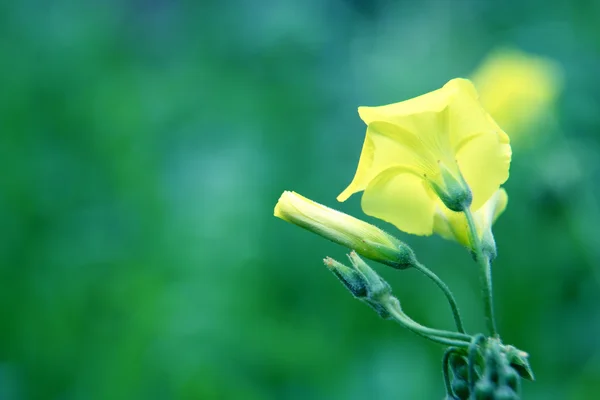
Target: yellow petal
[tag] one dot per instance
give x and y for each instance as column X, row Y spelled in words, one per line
column 501, row 202
column 453, row 225
column 386, row 146
column 361, row 176
column 443, row 120
column 434, row 101
column 467, row 118
column 484, row 162
column 431, row 102
column 400, row 198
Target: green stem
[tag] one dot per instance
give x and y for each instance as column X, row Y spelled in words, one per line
column 445, row 364
column 485, row 274
column 446, row 290
column 436, row 335
column 486, row 278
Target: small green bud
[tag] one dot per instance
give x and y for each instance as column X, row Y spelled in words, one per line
column 493, row 360
column 351, row 279
column 364, row 284
column 519, row 360
column 511, row 377
column 379, row 293
column 505, row 393
column 454, row 192
column 366, row 239
column 376, row 287
column 484, row 390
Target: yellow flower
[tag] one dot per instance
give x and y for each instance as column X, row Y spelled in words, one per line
column 517, row 88
column 453, row 225
column 364, row 238
column 429, row 150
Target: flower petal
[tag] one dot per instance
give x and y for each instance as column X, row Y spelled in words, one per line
column 385, row 146
column 429, row 102
column 444, row 120
column 400, row 197
column 466, row 117
column 501, row 202
column 484, row 162
column 451, row 225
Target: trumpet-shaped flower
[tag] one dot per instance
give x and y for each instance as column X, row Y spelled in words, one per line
column 439, row 149
column 454, row 226
column 516, row 88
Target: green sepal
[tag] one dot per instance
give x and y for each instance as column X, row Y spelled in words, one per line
column 456, row 193
column 364, row 284
column 379, row 308
column 350, row 278
column 520, row 362
column 376, row 287
column 399, row 257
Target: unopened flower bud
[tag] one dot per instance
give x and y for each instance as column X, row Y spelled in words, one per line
column 511, row 377
column 376, row 286
column 364, row 283
column 484, row 389
column 350, row 278
column 519, row 360
column 505, row 393
column 366, row 239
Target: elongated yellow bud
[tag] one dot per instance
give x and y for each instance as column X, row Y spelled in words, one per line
column 366, row 239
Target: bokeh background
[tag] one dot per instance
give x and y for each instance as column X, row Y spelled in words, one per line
column 143, row 145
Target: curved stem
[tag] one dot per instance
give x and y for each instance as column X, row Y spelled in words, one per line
column 446, row 290
column 429, row 331
column 445, row 362
column 485, row 274
column 436, row 335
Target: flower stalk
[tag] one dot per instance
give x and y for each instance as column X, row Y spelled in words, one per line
column 485, row 273
column 446, row 290
column 436, row 335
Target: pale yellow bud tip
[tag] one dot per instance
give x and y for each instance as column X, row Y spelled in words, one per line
column 329, row 262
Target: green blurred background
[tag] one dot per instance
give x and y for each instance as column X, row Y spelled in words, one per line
column 143, row 145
